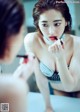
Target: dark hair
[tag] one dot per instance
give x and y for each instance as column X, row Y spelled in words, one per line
column 43, row 5
column 11, row 20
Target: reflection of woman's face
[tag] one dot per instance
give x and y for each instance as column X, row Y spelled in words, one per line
column 13, row 46
column 52, row 24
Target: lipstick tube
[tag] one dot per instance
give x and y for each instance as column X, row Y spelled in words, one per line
column 22, row 56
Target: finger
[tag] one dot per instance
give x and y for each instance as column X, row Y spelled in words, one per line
column 58, row 47
column 55, row 48
column 21, row 60
column 30, row 57
column 52, row 48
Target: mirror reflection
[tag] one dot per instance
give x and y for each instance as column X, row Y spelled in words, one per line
column 49, row 58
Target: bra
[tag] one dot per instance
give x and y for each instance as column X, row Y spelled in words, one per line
column 50, row 74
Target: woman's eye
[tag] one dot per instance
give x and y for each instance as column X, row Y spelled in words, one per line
column 44, row 25
column 57, row 24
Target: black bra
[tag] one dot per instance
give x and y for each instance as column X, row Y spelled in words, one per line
column 50, row 74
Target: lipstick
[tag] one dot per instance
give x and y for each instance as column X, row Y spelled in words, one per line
column 25, row 60
column 54, row 38
column 22, row 56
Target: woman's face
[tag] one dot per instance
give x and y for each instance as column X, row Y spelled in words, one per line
column 52, row 25
column 13, row 46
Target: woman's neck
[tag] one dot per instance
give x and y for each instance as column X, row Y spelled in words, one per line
column 68, row 41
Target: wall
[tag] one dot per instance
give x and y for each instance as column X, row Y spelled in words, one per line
column 28, row 7
column 77, row 16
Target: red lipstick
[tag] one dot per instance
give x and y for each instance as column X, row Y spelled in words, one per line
column 26, row 59
column 53, row 38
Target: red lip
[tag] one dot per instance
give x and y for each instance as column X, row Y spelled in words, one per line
column 53, row 38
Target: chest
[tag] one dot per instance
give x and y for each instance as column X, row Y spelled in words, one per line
column 50, row 61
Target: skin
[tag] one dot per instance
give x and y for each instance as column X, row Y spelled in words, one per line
column 13, row 87
column 52, row 23
column 13, row 91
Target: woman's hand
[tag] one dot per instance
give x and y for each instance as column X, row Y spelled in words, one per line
column 57, row 49
column 49, row 109
column 26, row 67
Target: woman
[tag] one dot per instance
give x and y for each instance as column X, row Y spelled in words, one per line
column 13, row 90
column 57, row 51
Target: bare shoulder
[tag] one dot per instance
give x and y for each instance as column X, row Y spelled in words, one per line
column 76, row 45
column 30, row 41
column 11, row 83
column 30, row 38
column 76, row 40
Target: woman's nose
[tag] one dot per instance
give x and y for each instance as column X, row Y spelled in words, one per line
column 51, row 30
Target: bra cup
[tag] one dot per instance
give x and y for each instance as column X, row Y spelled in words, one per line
column 45, row 70
column 50, row 74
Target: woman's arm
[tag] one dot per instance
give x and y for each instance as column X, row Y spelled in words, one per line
column 67, row 78
column 25, row 70
column 42, row 83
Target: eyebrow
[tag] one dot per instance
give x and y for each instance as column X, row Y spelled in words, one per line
column 57, row 20
column 53, row 21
